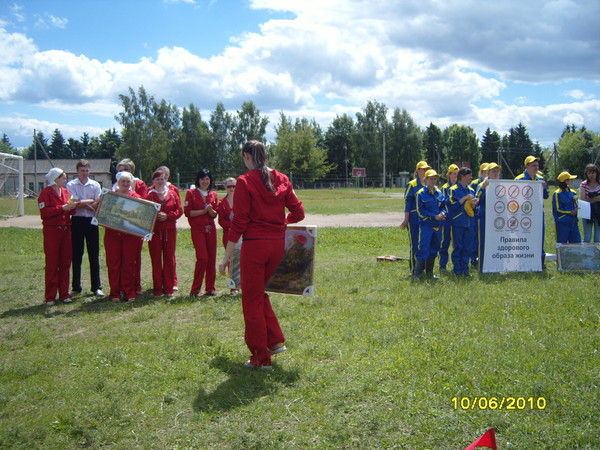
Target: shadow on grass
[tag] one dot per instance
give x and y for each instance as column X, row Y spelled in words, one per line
column 102, row 305
column 493, row 278
column 243, row 386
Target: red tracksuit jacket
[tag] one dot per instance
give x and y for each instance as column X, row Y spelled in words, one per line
column 260, row 214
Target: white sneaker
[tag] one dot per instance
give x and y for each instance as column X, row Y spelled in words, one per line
column 98, row 293
column 249, row 364
column 278, row 350
column 67, row 300
column 49, row 303
column 175, row 288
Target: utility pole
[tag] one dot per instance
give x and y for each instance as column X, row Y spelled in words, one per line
column 384, row 174
column 346, row 161
column 555, row 161
column 35, row 182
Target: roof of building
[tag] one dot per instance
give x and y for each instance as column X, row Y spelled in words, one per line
column 68, row 165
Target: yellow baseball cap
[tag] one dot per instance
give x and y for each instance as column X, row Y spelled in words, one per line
column 531, row 159
column 431, row 173
column 453, row 168
column 423, row 165
column 564, row 176
column 484, row 166
column 493, row 165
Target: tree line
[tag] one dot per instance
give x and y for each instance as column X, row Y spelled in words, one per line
column 156, row 132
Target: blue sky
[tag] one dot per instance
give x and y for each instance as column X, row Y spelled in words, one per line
column 481, row 64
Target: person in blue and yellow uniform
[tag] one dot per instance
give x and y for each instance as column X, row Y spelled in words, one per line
column 432, row 213
column 461, row 209
column 564, row 210
column 411, row 218
column 532, row 172
column 446, row 224
column 483, row 173
column 493, row 173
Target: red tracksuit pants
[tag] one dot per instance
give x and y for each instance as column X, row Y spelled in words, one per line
column 138, row 270
column 57, row 249
column 258, row 260
column 162, row 253
column 122, row 251
column 204, row 239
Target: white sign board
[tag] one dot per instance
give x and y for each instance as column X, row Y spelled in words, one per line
column 514, row 217
column 584, row 210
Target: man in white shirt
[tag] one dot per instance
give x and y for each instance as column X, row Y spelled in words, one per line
column 86, row 191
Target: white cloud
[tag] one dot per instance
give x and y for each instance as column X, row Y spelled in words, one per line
column 573, row 118
column 22, row 129
column 48, row 20
column 543, row 122
column 576, row 94
column 434, row 59
column 16, row 12
column 57, row 74
column 58, row 22
column 522, row 100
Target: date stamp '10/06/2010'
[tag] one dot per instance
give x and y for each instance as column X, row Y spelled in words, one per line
column 499, row 403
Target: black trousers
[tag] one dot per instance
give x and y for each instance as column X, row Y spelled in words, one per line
column 83, row 231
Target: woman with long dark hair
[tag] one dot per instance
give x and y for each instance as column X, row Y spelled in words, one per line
column 262, row 195
column 590, row 192
column 201, row 204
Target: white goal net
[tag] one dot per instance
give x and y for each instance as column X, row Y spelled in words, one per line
column 11, row 179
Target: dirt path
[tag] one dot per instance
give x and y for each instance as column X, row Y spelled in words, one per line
column 320, row 220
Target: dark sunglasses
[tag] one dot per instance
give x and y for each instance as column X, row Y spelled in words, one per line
column 230, row 187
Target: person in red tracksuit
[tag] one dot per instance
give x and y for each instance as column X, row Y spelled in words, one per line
column 262, row 195
column 139, row 187
column 226, row 208
column 225, row 218
column 201, row 204
column 175, row 189
column 122, row 251
column 164, row 240
column 56, row 210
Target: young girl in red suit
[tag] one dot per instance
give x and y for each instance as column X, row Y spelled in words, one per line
column 164, row 241
column 226, row 208
column 201, row 204
column 56, row 212
column 122, row 251
column 261, row 197
column 225, row 218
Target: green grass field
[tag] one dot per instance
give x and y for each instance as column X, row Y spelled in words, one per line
column 375, row 360
column 321, row 201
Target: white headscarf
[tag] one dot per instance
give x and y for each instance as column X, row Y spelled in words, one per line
column 52, row 175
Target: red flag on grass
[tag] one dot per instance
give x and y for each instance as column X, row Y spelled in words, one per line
column 487, row 440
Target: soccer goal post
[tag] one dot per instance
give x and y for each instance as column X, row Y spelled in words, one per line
column 7, row 168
